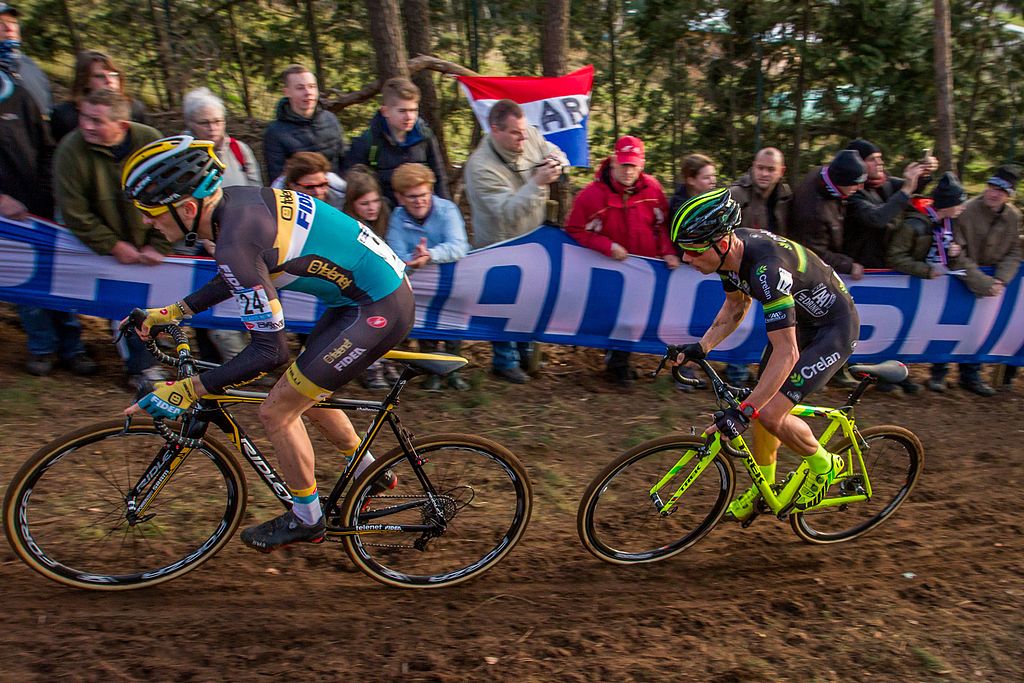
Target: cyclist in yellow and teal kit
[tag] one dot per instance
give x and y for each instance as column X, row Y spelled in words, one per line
column 265, row 241
column 812, row 327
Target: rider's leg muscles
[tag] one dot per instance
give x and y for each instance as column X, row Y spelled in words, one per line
column 337, row 428
column 281, row 415
column 787, row 428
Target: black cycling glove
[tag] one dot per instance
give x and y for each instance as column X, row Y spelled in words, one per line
column 731, row 422
column 691, row 352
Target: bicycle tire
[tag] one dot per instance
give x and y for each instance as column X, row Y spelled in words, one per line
column 64, row 509
column 894, row 460
column 487, row 500
column 617, row 520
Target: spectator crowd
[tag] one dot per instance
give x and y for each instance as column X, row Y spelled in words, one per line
column 63, row 162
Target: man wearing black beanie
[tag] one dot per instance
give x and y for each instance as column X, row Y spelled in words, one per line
column 873, row 212
column 818, row 209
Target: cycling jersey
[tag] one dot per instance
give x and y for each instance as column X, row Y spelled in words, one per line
column 797, row 289
column 269, row 240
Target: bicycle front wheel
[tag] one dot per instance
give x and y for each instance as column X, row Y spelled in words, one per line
column 66, row 510
column 893, row 461
column 479, row 506
column 620, row 523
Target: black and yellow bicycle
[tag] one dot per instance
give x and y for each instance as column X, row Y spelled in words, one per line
column 121, row 504
column 663, row 496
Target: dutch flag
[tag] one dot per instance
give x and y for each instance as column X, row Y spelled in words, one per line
column 558, row 107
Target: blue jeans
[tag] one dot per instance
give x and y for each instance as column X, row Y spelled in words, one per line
column 49, row 332
column 510, row 354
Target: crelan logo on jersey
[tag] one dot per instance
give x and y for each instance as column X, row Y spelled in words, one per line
column 762, row 269
column 328, row 272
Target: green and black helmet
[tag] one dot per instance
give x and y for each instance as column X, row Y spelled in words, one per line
column 705, row 218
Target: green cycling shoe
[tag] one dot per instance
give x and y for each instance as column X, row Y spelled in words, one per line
column 742, row 508
column 815, row 485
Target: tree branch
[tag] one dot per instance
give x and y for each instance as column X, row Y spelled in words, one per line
column 336, row 100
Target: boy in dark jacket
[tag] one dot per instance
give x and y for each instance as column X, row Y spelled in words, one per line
column 398, row 135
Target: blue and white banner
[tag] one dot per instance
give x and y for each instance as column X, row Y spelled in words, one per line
column 558, row 107
column 541, row 286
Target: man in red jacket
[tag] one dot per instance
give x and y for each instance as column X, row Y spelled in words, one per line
column 623, row 211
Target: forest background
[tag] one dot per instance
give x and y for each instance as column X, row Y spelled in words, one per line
column 718, row 77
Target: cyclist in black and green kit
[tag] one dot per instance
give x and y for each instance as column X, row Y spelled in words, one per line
column 265, row 241
column 812, row 327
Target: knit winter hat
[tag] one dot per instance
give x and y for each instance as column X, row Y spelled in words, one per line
column 948, row 192
column 863, row 148
column 1005, row 178
column 847, row 168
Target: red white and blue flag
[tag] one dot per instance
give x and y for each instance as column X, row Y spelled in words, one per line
column 558, row 107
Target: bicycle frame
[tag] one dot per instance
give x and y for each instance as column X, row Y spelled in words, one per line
column 212, row 411
column 778, row 499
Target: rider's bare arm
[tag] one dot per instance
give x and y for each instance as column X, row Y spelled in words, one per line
column 728, row 319
column 785, row 353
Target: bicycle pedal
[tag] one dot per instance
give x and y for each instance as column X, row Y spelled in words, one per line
column 749, row 520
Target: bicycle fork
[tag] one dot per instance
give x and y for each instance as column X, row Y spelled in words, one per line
column 705, row 454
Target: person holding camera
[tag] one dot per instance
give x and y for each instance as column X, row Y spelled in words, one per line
column 507, row 178
column 874, row 212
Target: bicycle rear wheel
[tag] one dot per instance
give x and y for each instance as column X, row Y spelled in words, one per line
column 619, row 523
column 894, row 459
column 65, row 512
column 481, row 509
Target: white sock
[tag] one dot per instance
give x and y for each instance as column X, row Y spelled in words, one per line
column 365, row 462
column 306, row 505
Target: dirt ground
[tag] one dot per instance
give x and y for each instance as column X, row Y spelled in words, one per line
column 936, row 593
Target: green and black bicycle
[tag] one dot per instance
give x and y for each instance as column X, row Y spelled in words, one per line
column 663, row 496
column 122, row 504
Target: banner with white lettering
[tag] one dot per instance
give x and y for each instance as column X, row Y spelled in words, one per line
column 541, row 286
column 558, row 107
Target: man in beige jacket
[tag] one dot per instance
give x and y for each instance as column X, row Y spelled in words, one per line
column 507, row 178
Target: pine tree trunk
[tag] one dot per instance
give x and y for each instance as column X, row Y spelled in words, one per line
column 943, row 86
column 416, row 18
column 163, row 51
column 314, row 43
column 613, row 9
column 69, row 20
column 242, row 64
column 554, row 39
column 795, row 168
column 386, row 34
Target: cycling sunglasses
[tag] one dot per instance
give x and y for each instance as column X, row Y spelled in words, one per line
column 152, row 211
column 696, row 250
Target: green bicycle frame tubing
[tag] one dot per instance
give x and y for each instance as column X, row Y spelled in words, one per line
column 701, row 465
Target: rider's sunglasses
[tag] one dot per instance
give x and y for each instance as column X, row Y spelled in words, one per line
column 152, row 211
column 696, row 250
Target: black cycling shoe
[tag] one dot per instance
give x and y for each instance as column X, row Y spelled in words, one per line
column 281, row 531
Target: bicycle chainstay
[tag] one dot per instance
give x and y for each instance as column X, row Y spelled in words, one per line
column 425, row 536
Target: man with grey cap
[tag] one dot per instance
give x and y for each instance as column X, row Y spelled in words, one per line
column 989, row 231
column 32, row 77
column 819, row 205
